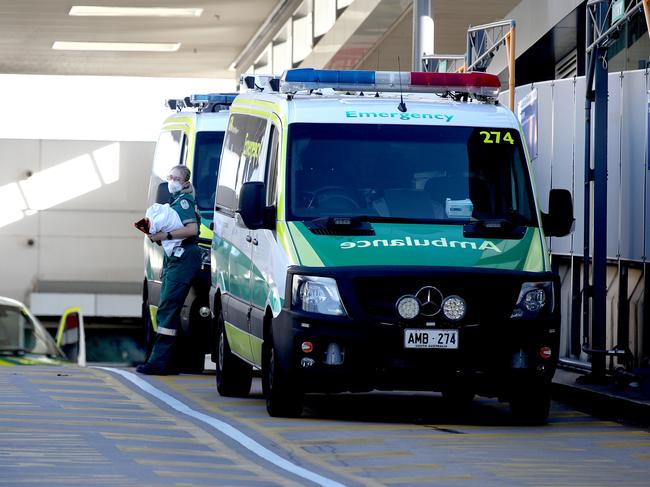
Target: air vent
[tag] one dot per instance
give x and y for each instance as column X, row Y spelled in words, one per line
column 567, row 67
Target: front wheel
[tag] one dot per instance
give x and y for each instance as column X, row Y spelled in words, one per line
column 234, row 376
column 530, row 402
column 282, row 398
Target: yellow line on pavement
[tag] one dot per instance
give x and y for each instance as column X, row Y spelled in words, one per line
column 180, row 463
column 184, row 452
column 148, row 438
column 427, row 480
column 396, row 468
column 366, row 454
column 623, row 444
column 209, row 475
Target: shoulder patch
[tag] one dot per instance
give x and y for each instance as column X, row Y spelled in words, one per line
column 185, row 204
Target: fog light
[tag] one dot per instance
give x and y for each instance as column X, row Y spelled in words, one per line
column 545, row 352
column 307, row 347
column 408, row 307
column 454, row 307
column 204, row 311
column 307, row 362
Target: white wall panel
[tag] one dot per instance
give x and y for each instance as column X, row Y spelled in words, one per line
column 614, row 119
column 634, row 144
column 628, row 216
column 542, row 165
column 579, row 165
column 562, row 148
column 80, row 233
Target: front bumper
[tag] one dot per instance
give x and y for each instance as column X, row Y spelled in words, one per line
column 494, row 352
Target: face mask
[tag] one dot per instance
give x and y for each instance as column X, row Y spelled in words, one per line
column 174, row 186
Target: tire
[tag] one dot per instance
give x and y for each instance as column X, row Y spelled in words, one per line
column 283, row 400
column 530, row 403
column 233, row 375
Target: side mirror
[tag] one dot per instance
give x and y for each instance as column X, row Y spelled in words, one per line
column 559, row 220
column 252, row 203
column 71, row 336
column 162, row 194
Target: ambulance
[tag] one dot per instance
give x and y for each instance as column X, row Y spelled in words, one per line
column 191, row 136
column 381, row 231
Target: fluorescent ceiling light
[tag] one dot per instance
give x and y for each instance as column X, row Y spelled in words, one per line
column 91, row 11
column 117, row 46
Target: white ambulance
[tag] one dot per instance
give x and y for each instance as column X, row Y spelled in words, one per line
column 191, row 136
column 380, row 230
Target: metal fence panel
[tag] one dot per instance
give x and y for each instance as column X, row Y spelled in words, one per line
column 634, row 142
column 562, row 149
column 579, row 165
column 614, row 119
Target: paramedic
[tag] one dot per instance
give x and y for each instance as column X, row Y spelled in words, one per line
column 179, row 269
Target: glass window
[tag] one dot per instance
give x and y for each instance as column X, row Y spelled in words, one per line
column 240, row 159
column 427, row 173
column 272, row 168
column 169, row 153
column 19, row 334
column 206, row 165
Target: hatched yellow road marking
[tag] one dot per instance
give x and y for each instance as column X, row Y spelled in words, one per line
column 185, row 452
column 427, row 480
column 208, row 475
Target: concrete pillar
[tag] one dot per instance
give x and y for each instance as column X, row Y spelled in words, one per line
column 422, row 31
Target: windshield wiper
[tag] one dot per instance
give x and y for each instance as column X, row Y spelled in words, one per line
column 495, row 227
column 340, row 225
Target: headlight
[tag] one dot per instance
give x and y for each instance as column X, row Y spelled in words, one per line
column 408, row 307
column 534, row 297
column 317, row 295
column 454, row 307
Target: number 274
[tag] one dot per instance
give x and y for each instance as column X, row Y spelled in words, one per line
column 495, row 137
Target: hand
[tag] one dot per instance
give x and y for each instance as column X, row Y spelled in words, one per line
column 157, row 237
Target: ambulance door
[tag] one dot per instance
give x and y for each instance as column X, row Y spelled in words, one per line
column 245, row 138
column 263, row 244
column 170, row 151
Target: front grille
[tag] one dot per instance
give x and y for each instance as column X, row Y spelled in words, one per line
column 488, row 296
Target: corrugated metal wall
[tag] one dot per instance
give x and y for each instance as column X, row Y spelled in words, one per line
column 560, row 160
column 560, row 164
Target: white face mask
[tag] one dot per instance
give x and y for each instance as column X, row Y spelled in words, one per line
column 174, row 186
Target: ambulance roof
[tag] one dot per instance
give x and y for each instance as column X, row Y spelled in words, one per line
column 203, row 121
column 421, row 109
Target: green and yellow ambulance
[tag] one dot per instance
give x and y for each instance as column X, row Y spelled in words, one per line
column 380, row 230
column 192, row 136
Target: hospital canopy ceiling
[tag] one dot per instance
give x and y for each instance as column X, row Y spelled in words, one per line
column 215, row 38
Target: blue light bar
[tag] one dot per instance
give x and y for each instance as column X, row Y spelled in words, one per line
column 329, row 76
column 217, row 98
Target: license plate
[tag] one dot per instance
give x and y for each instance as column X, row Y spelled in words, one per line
column 422, row 338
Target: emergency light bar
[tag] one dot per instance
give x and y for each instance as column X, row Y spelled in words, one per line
column 202, row 102
column 475, row 83
column 216, row 98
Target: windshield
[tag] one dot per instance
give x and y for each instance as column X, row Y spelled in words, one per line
column 19, row 334
column 206, row 166
column 419, row 173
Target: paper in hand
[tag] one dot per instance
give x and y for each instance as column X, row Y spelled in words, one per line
column 143, row 225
